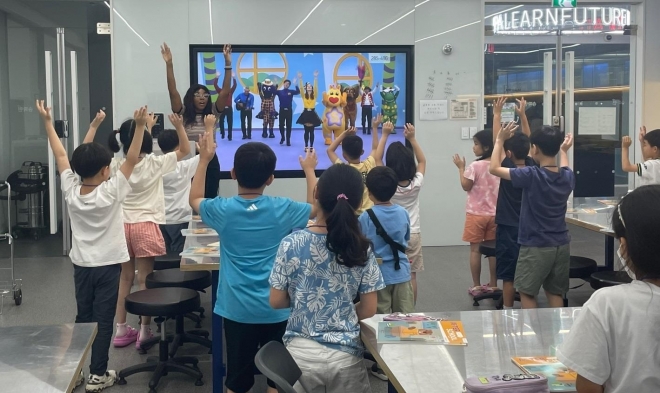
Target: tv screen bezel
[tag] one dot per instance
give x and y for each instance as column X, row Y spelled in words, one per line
column 409, row 50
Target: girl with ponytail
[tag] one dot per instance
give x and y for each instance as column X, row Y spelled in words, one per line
column 317, row 273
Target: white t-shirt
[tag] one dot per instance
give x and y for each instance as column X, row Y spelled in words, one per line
column 176, row 186
column 146, row 202
column 97, row 227
column 408, row 198
column 615, row 340
column 649, row 172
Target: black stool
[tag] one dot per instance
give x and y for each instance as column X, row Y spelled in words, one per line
column 174, row 278
column 581, row 268
column 487, row 249
column 163, row 303
column 609, row 279
column 167, row 262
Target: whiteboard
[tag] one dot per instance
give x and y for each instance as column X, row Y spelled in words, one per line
column 433, row 110
column 597, row 121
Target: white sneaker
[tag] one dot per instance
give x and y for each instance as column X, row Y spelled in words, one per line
column 96, row 383
column 378, row 372
column 81, row 379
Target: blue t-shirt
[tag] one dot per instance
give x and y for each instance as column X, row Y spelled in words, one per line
column 543, row 209
column 510, row 197
column 396, row 223
column 250, row 232
column 322, row 291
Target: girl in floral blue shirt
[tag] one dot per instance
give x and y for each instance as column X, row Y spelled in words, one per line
column 317, row 273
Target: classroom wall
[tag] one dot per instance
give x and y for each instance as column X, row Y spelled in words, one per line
column 139, row 72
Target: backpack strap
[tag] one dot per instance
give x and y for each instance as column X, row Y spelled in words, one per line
column 380, row 231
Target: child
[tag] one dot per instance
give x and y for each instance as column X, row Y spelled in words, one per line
column 332, row 258
column 176, row 187
column 544, row 258
column 251, row 227
column 98, row 245
column 613, row 344
column 143, row 211
column 481, row 189
column 411, row 179
column 352, row 150
column 649, row 171
column 507, row 215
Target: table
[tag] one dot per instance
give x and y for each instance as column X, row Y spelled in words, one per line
column 212, row 264
column 494, row 337
column 591, row 214
column 45, row 359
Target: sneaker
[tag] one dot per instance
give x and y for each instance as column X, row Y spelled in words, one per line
column 139, row 339
column 378, row 372
column 81, row 379
column 127, row 339
column 96, row 383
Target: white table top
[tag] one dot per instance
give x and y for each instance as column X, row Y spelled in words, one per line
column 594, row 214
column 199, row 263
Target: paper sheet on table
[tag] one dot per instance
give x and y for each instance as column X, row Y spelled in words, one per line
column 596, row 121
column 433, row 110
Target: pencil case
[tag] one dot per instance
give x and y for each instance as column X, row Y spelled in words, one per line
column 507, row 383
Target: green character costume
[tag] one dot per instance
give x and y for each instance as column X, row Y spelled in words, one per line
column 389, row 92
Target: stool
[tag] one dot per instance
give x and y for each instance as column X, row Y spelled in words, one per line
column 609, row 279
column 167, row 262
column 581, row 268
column 173, row 278
column 163, row 303
column 487, row 249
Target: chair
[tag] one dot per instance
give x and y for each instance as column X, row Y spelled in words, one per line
column 276, row 363
column 609, row 279
column 174, row 278
column 487, row 249
column 163, row 303
column 581, row 268
column 167, row 262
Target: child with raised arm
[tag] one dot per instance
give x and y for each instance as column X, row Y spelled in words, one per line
column 98, row 245
column 323, row 268
column 411, row 178
column 251, row 226
column 544, row 257
column 481, row 188
column 143, row 211
column 507, row 215
column 648, row 171
column 352, row 150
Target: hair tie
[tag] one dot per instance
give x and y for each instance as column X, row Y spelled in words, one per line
column 342, row 196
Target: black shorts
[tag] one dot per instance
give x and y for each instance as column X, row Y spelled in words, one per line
column 243, row 343
column 506, row 251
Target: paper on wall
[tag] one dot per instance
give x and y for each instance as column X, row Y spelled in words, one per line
column 597, row 120
column 464, row 109
column 509, row 112
column 433, row 110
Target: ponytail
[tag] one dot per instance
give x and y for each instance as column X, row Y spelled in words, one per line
column 126, row 132
column 345, row 238
column 112, row 141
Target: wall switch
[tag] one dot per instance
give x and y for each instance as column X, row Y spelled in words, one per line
column 473, row 130
column 465, row 132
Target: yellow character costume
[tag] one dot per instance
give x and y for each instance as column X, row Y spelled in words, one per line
column 334, row 119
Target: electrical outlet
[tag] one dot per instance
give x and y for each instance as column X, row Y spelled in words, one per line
column 465, row 132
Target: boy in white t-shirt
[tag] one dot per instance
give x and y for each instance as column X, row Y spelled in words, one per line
column 176, row 186
column 649, row 170
column 411, row 178
column 94, row 206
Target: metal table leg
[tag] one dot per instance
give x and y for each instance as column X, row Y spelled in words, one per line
column 609, row 254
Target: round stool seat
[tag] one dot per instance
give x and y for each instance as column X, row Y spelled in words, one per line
column 582, row 267
column 176, row 278
column 163, row 302
column 609, row 279
column 487, row 248
column 167, row 262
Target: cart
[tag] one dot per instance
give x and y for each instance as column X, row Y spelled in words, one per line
column 13, row 286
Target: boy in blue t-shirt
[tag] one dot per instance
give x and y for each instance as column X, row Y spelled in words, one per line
column 251, row 227
column 397, row 296
column 544, row 258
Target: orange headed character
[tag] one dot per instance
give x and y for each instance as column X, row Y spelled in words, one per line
column 334, row 120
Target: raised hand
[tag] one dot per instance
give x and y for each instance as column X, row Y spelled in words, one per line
column 167, row 54
column 233, row 75
column 388, row 127
column 351, row 131
column 507, row 131
column 140, row 116
column 152, row 119
column 626, row 142
column 309, row 162
column 299, row 75
column 226, row 51
column 98, row 119
column 316, row 74
column 207, row 146
column 459, row 161
column 209, row 121
column 498, row 104
column 409, row 131
column 44, row 111
column 176, row 120
column 642, row 134
column 521, row 107
column 377, row 120
column 568, row 143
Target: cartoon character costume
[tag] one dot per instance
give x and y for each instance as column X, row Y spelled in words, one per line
column 352, row 98
column 389, row 109
column 309, row 118
column 268, row 115
column 334, row 120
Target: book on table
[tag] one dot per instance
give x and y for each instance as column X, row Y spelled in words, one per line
column 422, row 332
column 201, row 251
column 560, row 378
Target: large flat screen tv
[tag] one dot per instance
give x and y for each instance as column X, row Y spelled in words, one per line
column 387, row 71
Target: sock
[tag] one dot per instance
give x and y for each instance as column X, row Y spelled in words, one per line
column 508, row 308
column 144, row 332
column 121, row 329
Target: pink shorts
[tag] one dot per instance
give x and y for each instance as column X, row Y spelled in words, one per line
column 144, row 240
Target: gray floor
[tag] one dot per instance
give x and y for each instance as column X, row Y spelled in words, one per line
column 48, row 299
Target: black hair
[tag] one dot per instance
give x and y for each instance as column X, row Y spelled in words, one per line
column 126, row 132
column 653, row 138
column 168, row 140
column 89, row 158
column 339, row 192
column 402, row 161
column 367, row 88
column 254, row 164
column 285, row 81
column 382, row 183
column 548, row 140
column 353, row 146
column 637, row 219
column 308, row 96
column 190, row 113
column 485, row 139
column 518, row 144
